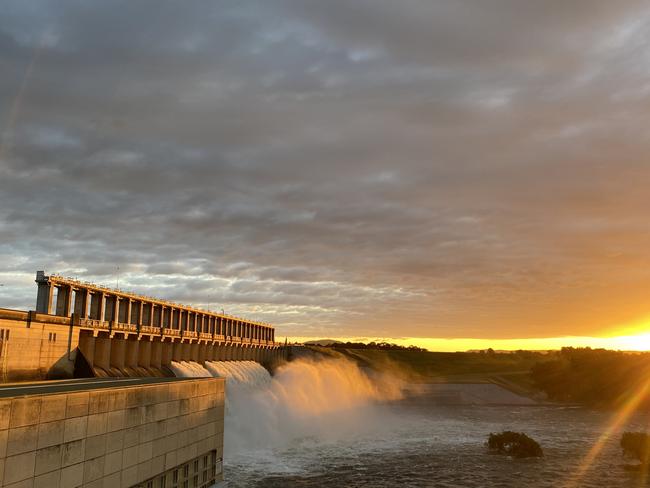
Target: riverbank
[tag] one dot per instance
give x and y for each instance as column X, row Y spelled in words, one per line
column 510, row 371
column 466, row 394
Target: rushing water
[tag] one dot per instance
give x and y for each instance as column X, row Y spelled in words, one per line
column 327, row 425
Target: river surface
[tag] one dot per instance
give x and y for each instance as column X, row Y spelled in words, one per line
column 419, row 443
column 327, row 423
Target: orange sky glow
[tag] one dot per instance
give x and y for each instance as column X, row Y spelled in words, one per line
column 639, row 342
column 635, row 337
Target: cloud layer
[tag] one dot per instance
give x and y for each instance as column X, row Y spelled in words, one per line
column 414, row 168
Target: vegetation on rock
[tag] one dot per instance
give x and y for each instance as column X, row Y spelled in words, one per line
column 515, row 444
column 636, row 445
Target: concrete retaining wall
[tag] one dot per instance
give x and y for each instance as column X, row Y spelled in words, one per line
column 33, row 346
column 114, row 436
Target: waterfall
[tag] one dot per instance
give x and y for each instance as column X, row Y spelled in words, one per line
column 243, row 374
column 189, row 369
column 324, row 400
column 306, row 398
column 240, row 374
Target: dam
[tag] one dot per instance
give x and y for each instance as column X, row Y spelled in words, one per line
column 81, row 329
column 125, row 432
column 105, row 388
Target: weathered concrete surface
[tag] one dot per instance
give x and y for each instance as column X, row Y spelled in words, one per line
column 112, row 433
column 38, row 346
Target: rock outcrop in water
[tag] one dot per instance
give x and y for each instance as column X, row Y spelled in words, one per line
column 636, row 445
column 515, row 444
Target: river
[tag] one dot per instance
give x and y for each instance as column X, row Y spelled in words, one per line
column 425, row 445
column 328, row 428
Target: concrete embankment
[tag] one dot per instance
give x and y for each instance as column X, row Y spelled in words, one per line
column 112, row 433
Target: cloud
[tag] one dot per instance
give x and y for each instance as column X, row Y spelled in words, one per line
column 355, row 169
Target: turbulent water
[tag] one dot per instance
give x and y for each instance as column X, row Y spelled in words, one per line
column 327, row 424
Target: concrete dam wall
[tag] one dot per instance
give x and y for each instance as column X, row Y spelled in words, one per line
column 140, row 432
column 36, row 346
column 81, row 330
column 115, row 414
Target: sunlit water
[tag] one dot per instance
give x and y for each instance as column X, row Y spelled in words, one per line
column 305, row 429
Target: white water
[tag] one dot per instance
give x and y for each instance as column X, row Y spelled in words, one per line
column 189, row 369
column 324, row 399
column 320, row 424
column 240, row 374
column 307, row 403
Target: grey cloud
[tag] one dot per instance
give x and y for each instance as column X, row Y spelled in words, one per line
column 369, row 168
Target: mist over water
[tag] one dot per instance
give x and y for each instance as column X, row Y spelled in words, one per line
column 306, row 398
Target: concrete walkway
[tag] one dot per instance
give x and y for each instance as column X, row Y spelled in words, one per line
column 64, row 386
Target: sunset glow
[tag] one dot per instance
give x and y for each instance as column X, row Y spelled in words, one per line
column 639, row 342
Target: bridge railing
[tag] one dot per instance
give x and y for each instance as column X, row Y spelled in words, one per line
column 103, row 325
column 91, row 323
column 146, row 329
column 125, row 327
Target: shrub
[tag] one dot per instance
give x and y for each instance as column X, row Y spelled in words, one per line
column 515, row 444
column 636, row 445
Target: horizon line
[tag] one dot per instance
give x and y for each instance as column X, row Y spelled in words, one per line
column 631, row 343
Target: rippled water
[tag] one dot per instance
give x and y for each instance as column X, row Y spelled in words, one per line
column 416, row 443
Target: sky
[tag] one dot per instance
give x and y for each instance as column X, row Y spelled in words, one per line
column 410, row 170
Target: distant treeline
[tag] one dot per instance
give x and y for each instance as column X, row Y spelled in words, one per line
column 589, row 377
column 373, row 345
column 594, row 377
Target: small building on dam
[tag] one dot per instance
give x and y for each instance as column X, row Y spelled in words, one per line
column 89, row 398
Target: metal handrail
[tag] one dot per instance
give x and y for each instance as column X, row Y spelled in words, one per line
column 146, row 329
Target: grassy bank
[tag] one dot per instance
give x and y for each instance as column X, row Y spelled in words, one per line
column 510, row 370
column 589, row 377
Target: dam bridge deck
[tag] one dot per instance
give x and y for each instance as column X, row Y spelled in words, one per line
column 109, row 310
column 171, row 335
